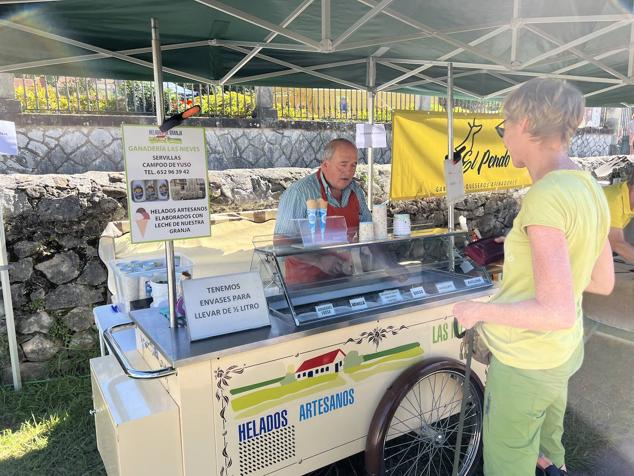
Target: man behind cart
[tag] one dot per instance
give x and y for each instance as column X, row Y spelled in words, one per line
column 334, row 184
column 621, row 202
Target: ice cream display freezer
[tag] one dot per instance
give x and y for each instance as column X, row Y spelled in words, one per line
column 360, row 355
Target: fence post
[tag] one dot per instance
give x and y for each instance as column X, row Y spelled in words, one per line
column 8, row 103
column 264, row 106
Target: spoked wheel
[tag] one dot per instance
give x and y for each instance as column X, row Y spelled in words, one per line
column 415, row 426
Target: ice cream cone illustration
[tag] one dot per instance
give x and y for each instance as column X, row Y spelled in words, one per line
column 141, row 218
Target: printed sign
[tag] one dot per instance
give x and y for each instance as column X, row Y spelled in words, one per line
column 370, row 135
column 8, row 138
column 454, row 180
column 166, row 179
column 390, row 296
column 419, row 145
column 223, row 304
column 358, row 303
column 445, row 286
column 418, row 292
column 325, row 310
column 474, row 281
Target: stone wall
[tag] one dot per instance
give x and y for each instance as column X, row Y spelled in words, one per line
column 77, row 144
column 53, row 224
column 68, row 144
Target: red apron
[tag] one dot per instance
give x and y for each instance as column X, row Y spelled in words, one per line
column 298, row 271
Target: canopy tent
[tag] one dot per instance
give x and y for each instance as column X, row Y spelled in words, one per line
column 493, row 44
column 481, row 49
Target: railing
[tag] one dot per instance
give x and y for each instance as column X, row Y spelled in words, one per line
column 351, row 105
column 67, row 95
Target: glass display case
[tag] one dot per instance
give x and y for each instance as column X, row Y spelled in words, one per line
column 314, row 283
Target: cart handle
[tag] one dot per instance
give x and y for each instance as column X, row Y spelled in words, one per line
column 115, row 349
column 456, row 329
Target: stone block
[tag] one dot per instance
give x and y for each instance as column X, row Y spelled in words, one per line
column 83, row 340
column 41, row 348
column 41, row 321
column 69, row 296
column 25, row 248
column 61, row 268
column 94, row 273
column 79, row 319
column 20, row 271
column 59, row 209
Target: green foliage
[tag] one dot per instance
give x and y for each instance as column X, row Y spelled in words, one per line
column 288, row 378
column 303, row 113
column 61, row 332
column 352, row 359
column 36, row 304
column 218, row 103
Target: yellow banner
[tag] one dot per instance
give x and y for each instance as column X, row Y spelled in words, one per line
column 419, row 146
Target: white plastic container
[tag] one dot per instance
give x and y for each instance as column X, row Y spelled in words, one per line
column 379, row 218
column 131, row 275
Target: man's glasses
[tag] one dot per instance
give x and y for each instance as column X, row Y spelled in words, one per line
column 500, row 129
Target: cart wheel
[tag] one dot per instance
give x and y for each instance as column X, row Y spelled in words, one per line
column 414, row 428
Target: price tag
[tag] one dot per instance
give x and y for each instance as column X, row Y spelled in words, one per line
column 465, row 266
column 474, row 281
column 391, row 296
column 418, row 292
column 445, row 287
column 358, row 303
column 325, row 310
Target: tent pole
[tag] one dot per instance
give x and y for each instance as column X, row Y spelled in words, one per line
column 8, row 304
column 370, row 103
column 450, row 214
column 157, row 65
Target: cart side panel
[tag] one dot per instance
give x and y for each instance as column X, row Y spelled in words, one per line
column 197, row 421
column 290, row 408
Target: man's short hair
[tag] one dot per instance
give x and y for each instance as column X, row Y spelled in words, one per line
column 331, row 147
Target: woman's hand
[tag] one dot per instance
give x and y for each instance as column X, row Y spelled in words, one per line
column 466, row 313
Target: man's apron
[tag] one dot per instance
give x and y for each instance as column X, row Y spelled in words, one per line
column 298, row 271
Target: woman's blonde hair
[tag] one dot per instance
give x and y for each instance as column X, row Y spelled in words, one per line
column 552, row 107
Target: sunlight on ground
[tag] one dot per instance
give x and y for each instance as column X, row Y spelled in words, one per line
column 31, row 436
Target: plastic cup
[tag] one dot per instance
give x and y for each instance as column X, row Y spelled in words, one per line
column 366, row 231
column 379, row 219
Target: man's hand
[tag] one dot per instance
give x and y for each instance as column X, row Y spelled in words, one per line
column 334, row 265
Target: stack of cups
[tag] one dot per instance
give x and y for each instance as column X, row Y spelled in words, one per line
column 322, row 212
column 379, row 219
column 402, row 224
column 366, row 231
column 311, row 212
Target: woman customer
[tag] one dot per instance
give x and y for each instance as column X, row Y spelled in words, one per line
column 556, row 250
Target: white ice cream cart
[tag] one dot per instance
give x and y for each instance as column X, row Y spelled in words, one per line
column 365, row 359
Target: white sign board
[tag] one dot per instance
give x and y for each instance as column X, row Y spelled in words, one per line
column 223, row 304
column 8, row 138
column 371, row 135
column 454, row 180
column 166, row 179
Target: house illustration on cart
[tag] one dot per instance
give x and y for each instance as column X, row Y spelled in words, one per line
column 331, row 362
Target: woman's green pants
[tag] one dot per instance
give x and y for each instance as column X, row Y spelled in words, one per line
column 524, row 416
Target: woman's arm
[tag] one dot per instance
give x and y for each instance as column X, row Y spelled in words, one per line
column 553, row 307
column 602, row 280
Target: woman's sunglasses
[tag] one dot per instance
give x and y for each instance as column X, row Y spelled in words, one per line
column 500, row 129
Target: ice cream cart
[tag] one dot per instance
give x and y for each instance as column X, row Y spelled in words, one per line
column 365, row 359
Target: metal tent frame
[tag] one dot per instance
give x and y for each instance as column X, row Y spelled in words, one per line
column 467, row 48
